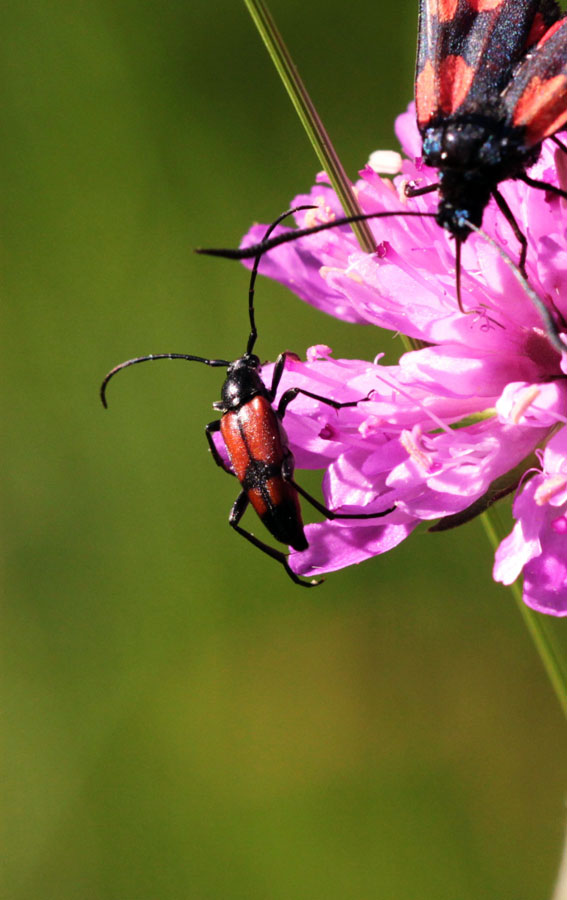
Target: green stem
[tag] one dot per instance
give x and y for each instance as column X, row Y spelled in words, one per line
column 534, row 622
column 341, row 184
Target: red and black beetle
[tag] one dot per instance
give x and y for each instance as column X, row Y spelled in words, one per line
column 255, row 440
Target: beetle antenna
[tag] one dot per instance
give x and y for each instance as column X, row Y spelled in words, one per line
column 551, row 328
column 258, row 256
column 296, row 233
column 140, row 359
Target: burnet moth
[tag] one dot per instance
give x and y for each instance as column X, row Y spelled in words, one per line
column 490, row 86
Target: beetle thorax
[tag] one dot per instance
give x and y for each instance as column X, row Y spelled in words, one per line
column 242, row 382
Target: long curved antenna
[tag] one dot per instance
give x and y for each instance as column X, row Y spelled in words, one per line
column 551, row 328
column 259, row 254
column 264, row 246
column 140, row 359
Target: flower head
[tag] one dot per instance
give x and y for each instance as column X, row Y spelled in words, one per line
column 452, row 426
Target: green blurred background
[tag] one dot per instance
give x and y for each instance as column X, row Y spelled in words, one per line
column 180, row 720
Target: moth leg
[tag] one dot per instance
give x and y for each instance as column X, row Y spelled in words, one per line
column 509, row 216
column 411, row 190
column 543, row 185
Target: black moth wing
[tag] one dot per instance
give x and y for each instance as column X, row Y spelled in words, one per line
column 536, row 98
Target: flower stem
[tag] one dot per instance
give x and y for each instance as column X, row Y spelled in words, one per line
column 534, row 622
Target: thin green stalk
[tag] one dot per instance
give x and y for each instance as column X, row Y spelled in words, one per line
column 331, row 163
column 534, row 622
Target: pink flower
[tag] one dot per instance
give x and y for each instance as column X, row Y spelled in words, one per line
column 537, row 543
column 454, row 425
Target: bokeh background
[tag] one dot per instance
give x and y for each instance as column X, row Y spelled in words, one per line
column 180, row 720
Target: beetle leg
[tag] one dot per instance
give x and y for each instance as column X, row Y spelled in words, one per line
column 209, row 430
column 279, row 366
column 292, row 393
column 238, row 509
column 330, row 513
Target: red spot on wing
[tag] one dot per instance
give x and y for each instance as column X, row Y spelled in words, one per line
column 551, row 31
column 542, row 109
column 425, row 94
column 455, row 82
column 445, row 10
column 485, row 5
column 443, row 92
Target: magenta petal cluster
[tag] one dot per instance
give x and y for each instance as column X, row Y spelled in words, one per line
column 481, row 407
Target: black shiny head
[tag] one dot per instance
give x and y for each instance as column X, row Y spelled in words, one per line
column 243, row 382
column 473, row 155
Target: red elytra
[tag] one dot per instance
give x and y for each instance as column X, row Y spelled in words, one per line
column 258, row 450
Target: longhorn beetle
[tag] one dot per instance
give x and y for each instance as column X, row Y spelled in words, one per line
column 256, row 442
